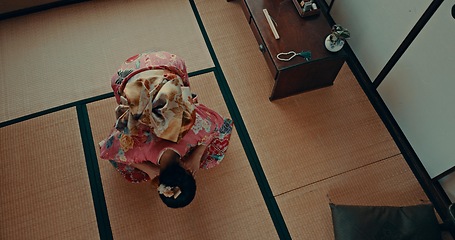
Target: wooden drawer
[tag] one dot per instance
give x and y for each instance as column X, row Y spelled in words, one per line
column 264, row 50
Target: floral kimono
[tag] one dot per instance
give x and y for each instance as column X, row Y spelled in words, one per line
column 157, row 112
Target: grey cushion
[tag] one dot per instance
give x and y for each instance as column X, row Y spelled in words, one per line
column 384, row 222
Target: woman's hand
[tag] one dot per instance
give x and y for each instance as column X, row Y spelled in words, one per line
column 156, row 181
column 192, row 161
column 151, row 169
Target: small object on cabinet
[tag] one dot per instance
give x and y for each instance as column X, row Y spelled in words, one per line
column 306, row 8
column 335, row 40
column 271, row 24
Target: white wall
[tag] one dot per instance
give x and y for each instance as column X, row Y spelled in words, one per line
column 419, row 89
column 377, row 27
column 419, row 92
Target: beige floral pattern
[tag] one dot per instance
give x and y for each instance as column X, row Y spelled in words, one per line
column 152, row 89
column 126, row 142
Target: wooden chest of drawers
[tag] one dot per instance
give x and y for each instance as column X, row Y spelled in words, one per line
column 296, row 34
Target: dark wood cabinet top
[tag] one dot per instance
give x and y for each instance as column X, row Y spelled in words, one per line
column 296, row 33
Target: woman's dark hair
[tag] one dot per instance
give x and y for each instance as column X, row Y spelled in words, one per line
column 174, row 175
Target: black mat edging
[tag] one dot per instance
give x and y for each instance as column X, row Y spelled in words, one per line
column 83, row 101
column 245, row 139
column 200, row 72
column 39, row 8
column 56, row 109
column 96, row 186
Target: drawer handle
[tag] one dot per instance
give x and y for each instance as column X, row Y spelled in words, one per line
column 261, row 48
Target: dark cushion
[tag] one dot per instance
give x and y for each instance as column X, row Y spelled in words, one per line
column 384, row 222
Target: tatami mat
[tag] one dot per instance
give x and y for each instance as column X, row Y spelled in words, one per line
column 394, row 185
column 303, row 138
column 327, row 142
column 45, row 192
column 228, row 203
column 65, row 54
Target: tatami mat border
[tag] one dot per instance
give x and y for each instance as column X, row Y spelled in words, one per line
column 56, row 109
column 81, row 102
column 96, row 186
column 38, row 8
column 250, row 152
